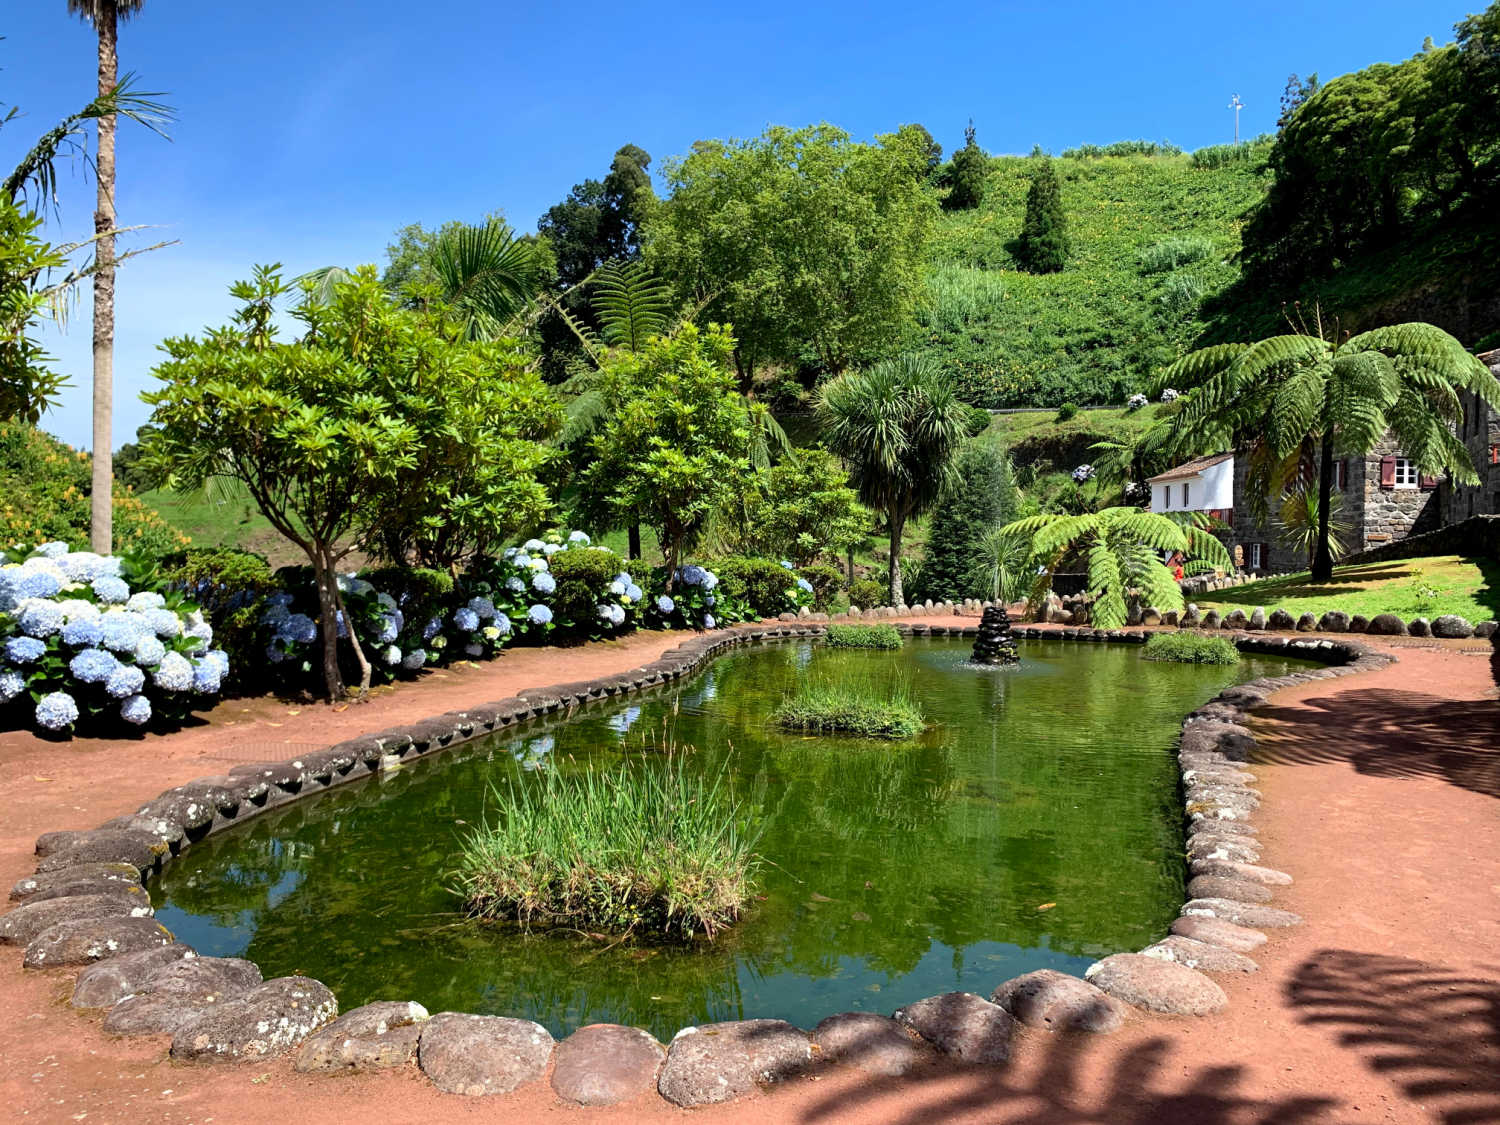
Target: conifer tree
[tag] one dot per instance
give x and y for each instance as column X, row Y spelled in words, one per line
column 982, row 496
column 967, row 177
column 1044, row 246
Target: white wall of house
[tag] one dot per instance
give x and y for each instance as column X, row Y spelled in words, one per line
column 1213, row 488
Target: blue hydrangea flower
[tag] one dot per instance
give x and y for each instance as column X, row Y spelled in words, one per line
column 665, row 604
column 356, row 586
column 174, row 673
column 634, row 592
column 787, row 565
column 93, row 666
column 219, row 657
column 76, row 609
column 56, row 549
column 414, row 659
column 40, row 618
column 483, row 608
column 83, row 634
column 164, row 623
column 551, row 548
column 466, row 619
column 539, row 615
column 804, row 585
column 692, row 575
column 126, row 680
column 24, row 650
column 12, row 684
column 386, row 601
column 279, row 598
column 121, row 632
column 502, row 625
column 515, row 585
column 150, row 652
column 710, row 580
column 532, row 545
column 430, row 630
column 198, row 629
column 206, row 678
column 709, row 622
column 298, row 628
column 56, row 711
column 146, row 599
column 137, row 710
column 111, row 590
column 389, row 629
column 579, row 537
column 543, row 583
column 340, row 626
column 710, row 601
column 392, row 655
column 274, row 653
column 624, row 576
column 521, row 558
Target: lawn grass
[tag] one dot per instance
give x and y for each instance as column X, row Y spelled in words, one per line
column 1424, row 587
column 1191, row 648
column 864, row 636
column 652, row 849
column 232, row 520
column 863, row 711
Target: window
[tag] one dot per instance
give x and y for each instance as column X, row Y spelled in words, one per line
column 1257, row 556
column 1185, row 494
column 1406, row 473
column 1341, row 474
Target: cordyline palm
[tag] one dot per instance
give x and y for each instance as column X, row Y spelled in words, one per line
column 1288, row 396
column 1123, row 548
column 899, row 427
column 105, row 17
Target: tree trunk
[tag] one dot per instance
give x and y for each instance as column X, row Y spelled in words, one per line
column 359, row 650
column 101, row 500
column 850, row 561
column 1322, row 568
column 328, row 604
column 633, row 550
column 897, row 526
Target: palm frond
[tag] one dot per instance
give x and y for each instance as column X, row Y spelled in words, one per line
column 486, row 275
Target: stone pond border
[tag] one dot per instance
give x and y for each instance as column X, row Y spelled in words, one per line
column 86, row 908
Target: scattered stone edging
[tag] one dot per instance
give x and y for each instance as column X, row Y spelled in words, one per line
column 85, row 907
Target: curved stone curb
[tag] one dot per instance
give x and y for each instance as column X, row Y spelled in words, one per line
column 716, row 1063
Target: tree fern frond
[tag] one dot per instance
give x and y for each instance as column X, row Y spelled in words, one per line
column 1196, row 368
column 632, row 305
column 1108, row 610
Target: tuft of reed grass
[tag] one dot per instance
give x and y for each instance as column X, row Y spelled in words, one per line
column 1170, row 253
column 863, row 710
column 1191, row 648
column 864, row 636
column 654, row 849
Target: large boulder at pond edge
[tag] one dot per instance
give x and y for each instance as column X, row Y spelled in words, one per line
column 82, row 941
column 19, row 926
column 142, row 851
column 476, row 1055
column 105, row 984
column 371, row 1037
column 873, row 1043
column 1281, row 621
column 1450, row 625
column 1307, row 622
column 1156, row 985
column 719, row 1062
column 1059, row 1002
column 1419, row 627
column 180, row 993
column 82, row 879
column 963, row 1025
column 605, row 1064
column 1334, row 621
column 1216, row 931
column 1386, row 625
column 268, row 1020
column 1200, row 955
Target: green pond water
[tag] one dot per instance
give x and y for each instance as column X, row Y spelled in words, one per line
column 1035, row 825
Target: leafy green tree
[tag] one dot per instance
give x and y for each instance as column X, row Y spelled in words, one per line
column 966, row 177
column 1290, row 397
column 1297, row 91
column 981, row 496
column 1044, row 246
column 923, row 142
column 1122, row 549
column 900, row 428
column 673, row 449
column 600, row 221
column 375, row 414
column 803, row 240
column 804, row 509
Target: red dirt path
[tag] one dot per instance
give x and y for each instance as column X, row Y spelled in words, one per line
column 1382, row 798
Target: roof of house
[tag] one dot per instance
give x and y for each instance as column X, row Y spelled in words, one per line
column 1491, row 359
column 1191, row 468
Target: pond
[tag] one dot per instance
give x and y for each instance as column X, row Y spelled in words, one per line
column 1037, row 824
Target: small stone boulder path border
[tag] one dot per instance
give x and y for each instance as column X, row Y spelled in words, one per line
column 84, row 908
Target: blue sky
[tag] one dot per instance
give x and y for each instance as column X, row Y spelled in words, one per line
column 308, row 132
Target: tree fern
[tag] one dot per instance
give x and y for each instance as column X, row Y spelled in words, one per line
column 632, row 305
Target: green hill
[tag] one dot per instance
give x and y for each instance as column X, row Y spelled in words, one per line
column 1154, row 235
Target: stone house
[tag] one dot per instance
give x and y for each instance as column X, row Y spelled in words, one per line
column 1481, row 434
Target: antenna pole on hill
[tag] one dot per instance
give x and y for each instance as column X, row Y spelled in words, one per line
column 1236, row 105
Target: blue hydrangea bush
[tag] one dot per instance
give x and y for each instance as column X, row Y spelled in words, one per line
column 691, row 600
column 94, row 641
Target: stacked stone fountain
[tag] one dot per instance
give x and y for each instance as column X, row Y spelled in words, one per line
column 995, row 644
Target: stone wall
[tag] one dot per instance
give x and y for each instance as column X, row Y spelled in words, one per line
column 1479, row 536
column 1480, row 433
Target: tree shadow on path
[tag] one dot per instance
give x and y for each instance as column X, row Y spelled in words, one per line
column 1429, row 1029
column 1392, row 734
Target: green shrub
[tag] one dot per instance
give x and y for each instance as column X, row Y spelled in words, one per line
column 422, row 593
column 1067, row 412
column 1170, row 253
column 1221, row 156
column 763, row 585
column 860, row 710
column 826, row 581
column 864, row 636
column 867, row 593
column 1191, row 648
column 1182, row 293
column 229, row 586
column 804, row 509
column 650, row 848
column 581, row 575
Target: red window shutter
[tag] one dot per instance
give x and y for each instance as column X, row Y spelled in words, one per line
column 1495, row 455
column 1427, row 482
column 1265, row 556
column 1343, row 474
column 1387, row 472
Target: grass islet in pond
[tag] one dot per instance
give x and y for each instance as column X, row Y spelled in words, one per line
column 891, row 873
column 650, row 847
column 860, row 708
column 1191, row 648
column 864, row 636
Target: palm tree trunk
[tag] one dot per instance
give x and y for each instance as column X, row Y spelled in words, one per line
column 1322, row 568
column 101, row 500
column 898, row 524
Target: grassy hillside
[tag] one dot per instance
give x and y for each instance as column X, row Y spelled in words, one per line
column 1153, row 239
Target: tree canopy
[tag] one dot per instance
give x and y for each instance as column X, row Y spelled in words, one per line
column 1044, row 245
